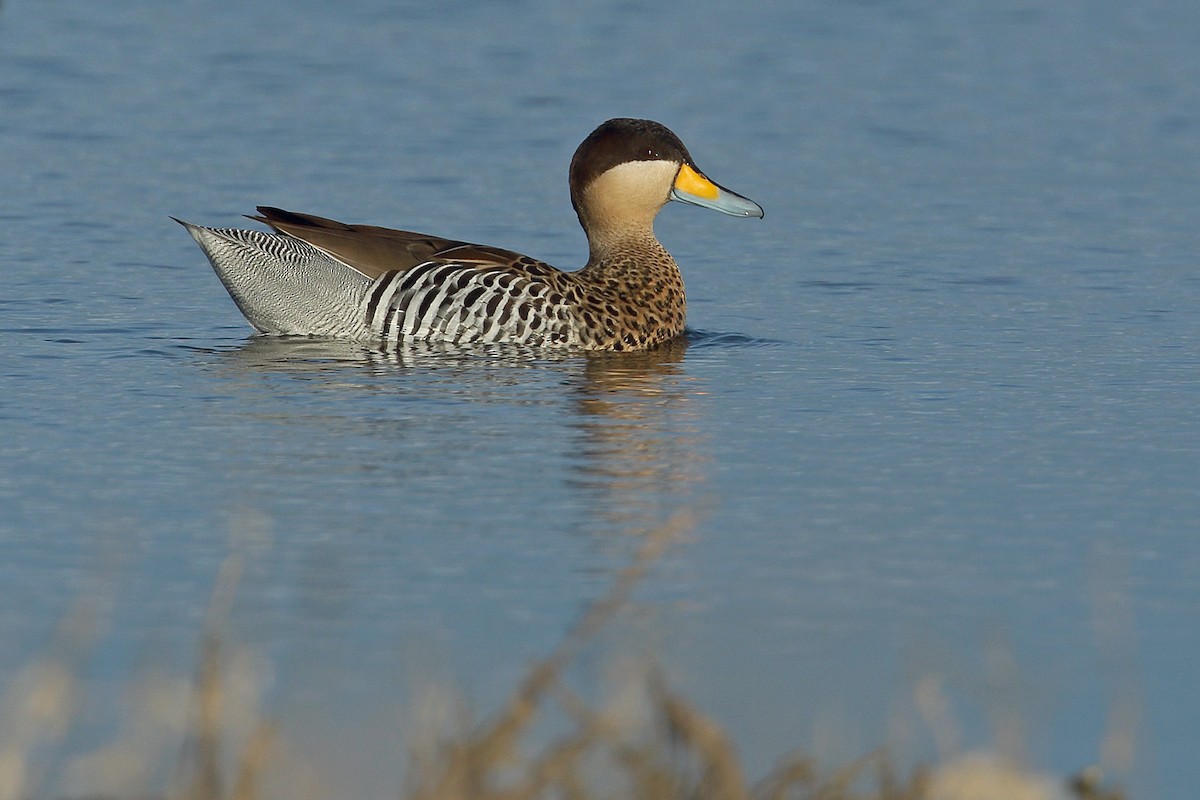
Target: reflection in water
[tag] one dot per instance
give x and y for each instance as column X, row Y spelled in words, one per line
column 639, row 439
column 633, row 431
column 304, row 353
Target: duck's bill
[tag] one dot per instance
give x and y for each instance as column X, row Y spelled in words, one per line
column 691, row 186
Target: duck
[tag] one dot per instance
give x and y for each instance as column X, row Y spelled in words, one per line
column 313, row 276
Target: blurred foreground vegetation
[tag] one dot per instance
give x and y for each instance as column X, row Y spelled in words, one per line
column 657, row 747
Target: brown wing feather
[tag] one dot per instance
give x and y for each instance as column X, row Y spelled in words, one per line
column 373, row 250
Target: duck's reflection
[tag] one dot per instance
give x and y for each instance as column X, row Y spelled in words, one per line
column 635, row 442
column 639, row 443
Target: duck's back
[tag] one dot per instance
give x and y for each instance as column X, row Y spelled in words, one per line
column 372, row 250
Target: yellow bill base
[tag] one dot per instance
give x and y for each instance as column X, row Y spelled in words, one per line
column 692, row 182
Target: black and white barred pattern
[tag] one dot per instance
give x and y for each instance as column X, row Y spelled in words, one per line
column 462, row 304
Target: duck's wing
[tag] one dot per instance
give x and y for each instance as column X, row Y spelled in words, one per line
column 372, row 250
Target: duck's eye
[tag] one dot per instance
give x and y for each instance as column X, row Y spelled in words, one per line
column 653, row 155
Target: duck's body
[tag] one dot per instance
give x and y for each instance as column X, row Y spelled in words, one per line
column 320, row 277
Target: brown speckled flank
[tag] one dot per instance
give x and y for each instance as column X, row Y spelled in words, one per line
column 321, row 277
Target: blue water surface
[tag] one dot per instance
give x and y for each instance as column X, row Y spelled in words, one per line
column 938, row 411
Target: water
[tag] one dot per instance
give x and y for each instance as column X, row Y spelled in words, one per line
column 944, row 395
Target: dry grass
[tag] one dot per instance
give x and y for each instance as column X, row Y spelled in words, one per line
column 652, row 744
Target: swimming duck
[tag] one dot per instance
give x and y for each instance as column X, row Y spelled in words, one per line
column 321, row 277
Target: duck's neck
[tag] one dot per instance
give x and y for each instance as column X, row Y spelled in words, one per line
column 632, row 256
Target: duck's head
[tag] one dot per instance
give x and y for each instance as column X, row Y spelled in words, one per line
column 628, row 169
